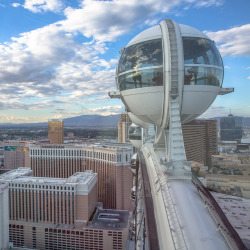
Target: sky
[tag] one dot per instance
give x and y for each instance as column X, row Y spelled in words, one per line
column 58, row 57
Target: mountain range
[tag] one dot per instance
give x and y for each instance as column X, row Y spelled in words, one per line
column 78, row 121
column 94, row 121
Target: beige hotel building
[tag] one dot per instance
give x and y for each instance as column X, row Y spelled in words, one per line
column 61, row 213
column 110, row 162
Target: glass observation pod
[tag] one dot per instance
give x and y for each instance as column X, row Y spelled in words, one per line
column 162, row 56
column 135, row 135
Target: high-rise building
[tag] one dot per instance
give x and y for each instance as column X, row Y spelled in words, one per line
column 4, row 216
column 59, row 213
column 16, row 154
column 230, row 128
column 200, row 140
column 56, row 131
column 123, row 128
column 110, row 162
column 70, row 135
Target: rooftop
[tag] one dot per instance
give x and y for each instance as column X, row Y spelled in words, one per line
column 237, row 210
column 81, row 177
column 105, row 145
column 25, row 175
column 16, row 173
column 110, row 219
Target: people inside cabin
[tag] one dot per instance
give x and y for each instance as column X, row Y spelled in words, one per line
column 137, row 78
column 187, row 79
column 136, row 75
column 158, row 79
column 193, row 72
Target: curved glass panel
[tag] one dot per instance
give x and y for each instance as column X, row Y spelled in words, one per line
column 134, row 133
column 141, row 78
column 203, row 76
column 141, row 55
column 200, row 51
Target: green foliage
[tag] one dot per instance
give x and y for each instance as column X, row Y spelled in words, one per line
column 215, row 171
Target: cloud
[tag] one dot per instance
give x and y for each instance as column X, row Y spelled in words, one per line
column 248, row 78
column 49, row 62
column 37, row 6
column 227, row 67
column 14, row 119
column 215, row 111
column 107, row 20
column 220, row 111
column 29, row 58
column 208, row 3
column 16, row 5
column 10, row 118
column 232, row 42
column 106, row 110
column 15, row 104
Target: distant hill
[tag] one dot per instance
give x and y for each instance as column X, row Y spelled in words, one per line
column 78, row 121
column 94, row 121
column 245, row 121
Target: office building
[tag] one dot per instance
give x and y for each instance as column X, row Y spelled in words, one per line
column 16, row 154
column 123, row 127
column 56, row 131
column 110, row 162
column 4, row 216
column 60, row 213
column 231, row 128
column 200, row 140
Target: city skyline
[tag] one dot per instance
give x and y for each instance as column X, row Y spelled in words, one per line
column 58, row 57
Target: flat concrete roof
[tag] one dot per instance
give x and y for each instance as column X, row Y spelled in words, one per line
column 25, row 175
column 237, row 210
column 110, row 219
column 15, row 173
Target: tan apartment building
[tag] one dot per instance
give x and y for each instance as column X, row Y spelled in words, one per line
column 110, row 162
column 56, row 131
column 59, row 213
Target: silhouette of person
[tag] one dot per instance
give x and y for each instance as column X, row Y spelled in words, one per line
column 193, row 71
column 158, row 79
column 136, row 75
